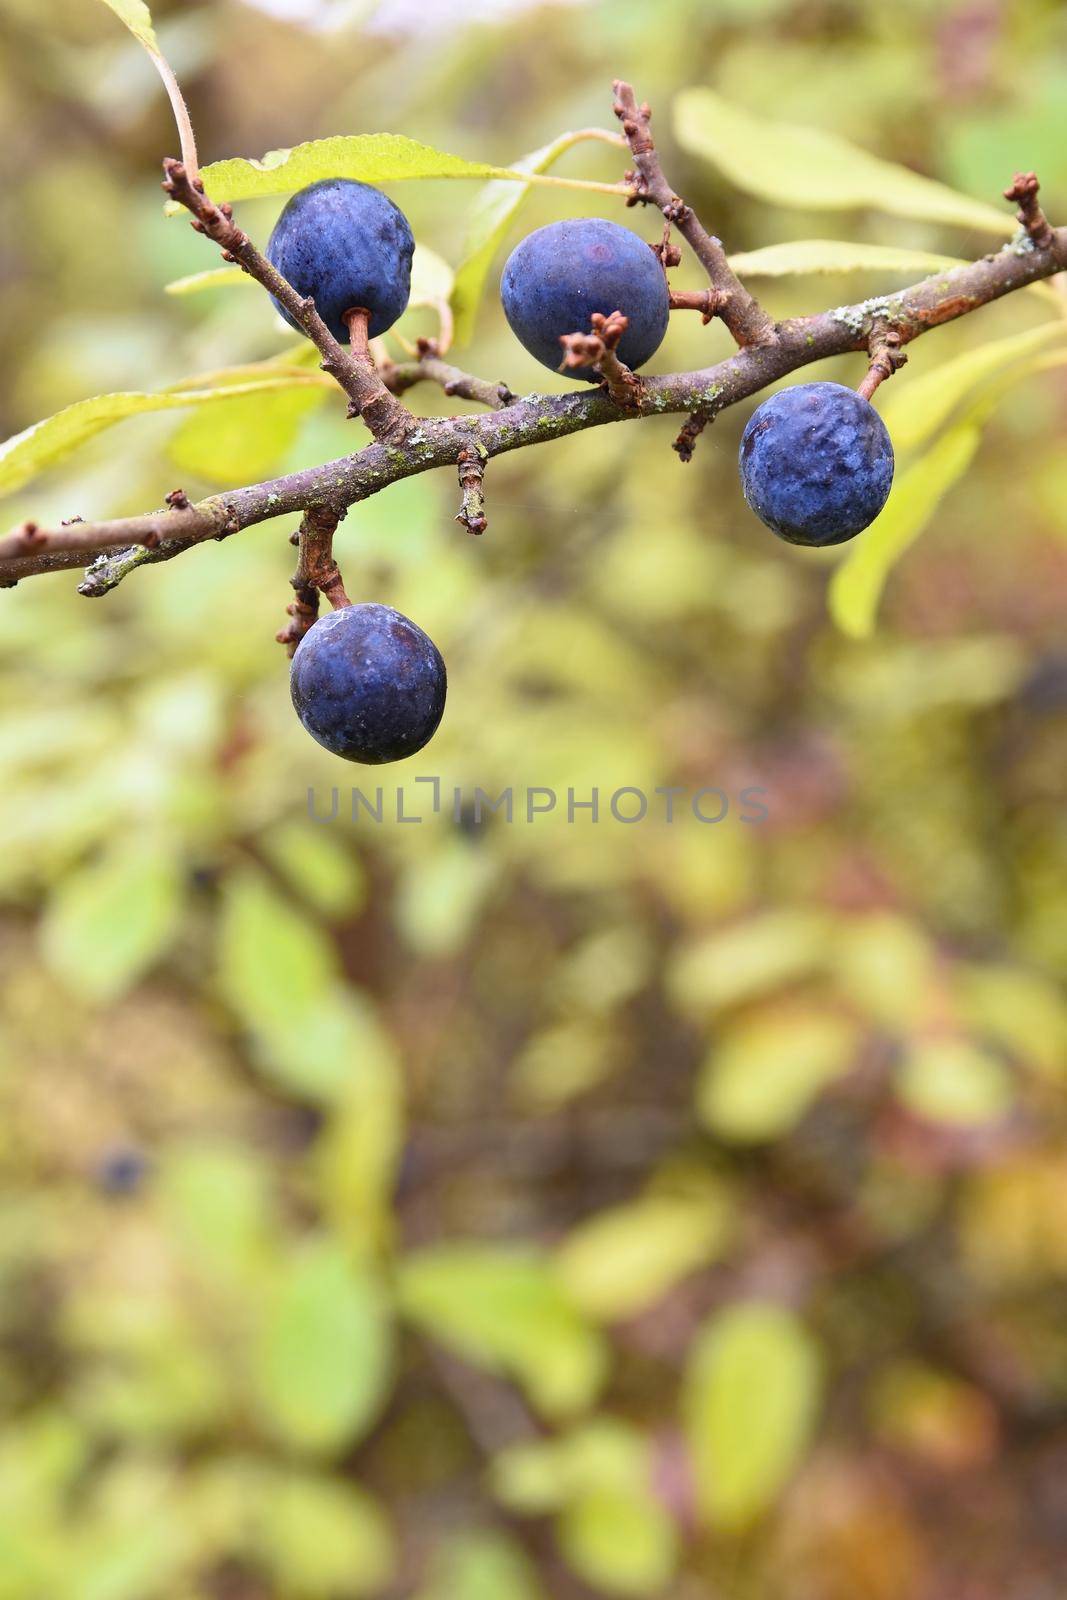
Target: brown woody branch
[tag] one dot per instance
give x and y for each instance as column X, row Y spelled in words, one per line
column 354, row 370
column 472, row 494
column 742, row 314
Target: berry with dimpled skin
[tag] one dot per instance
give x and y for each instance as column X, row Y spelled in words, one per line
column 368, row 684
column 816, row 463
column 346, row 245
column 556, row 278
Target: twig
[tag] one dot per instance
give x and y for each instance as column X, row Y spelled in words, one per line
column 742, row 314
column 386, row 418
column 1024, row 189
column 685, row 443
column 886, row 358
column 472, row 506
column 316, row 573
column 709, row 302
column 598, row 350
column 399, row 376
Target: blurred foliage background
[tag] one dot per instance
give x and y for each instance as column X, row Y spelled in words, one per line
column 489, row 1211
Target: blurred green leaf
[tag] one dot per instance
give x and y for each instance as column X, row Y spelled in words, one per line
column 955, row 1082
column 802, row 256
column 857, row 584
column 622, row 1260
column 920, row 406
column 542, row 1475
column 323, row 1537
column 318, row 867
column 106, row 925
column 41, row 445
column 218, row 1206
column 213, row 278
column 764, row 1073
column 749, row 1401
column 1021, row 1011
column 244, row 439
column 757, row 956
column 622, row 1543
column 481, row 1566
column 489, row 217
column 813, row 169
column 501, row 1307
column 322, row 1356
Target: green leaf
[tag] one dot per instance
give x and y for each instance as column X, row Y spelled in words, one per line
column 41, row 445
column 764, row 1073
column 367, row 157
column 278, row 971
column 624, row 1259
column 502, row 1308
column 1021, row 1011
column 491, row 215
column 213, row 278
column 857, row 584
column 322, row 1537
column 920, row 406
column 481, row 1566
column 835, row 255
column 322, row 1357
column 218, row 1209
column 809, row 168
column 751, row 958
column 749, row 1402
column 542, row 1475
column 621, row 1542
column 431, row 277
column 244, row 439
column 955, row 1082
column 106, row 925
column 137, row 17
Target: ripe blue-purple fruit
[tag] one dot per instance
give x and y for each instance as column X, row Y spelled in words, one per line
column 346, row 245
column 368, row 684
column 556, row 278
column 816, row 463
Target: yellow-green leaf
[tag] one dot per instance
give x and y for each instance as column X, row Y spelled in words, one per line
column 809, row 168
column 137, row 17
column 367, row 157
column 915, row 410
column 749, row 1401
column 835, row 255
column 322, row 1355
column 621, row 1542
column 44, row 443
column 490, row 217
column 244, row 439
column 502, row 1308
column 955, row 1082
column 856, row 586
column 213, row 278
column 763, row 1074
column 106, row 925
column 624, row 1259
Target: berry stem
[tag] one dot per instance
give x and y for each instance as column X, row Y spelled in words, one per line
column 316, row 573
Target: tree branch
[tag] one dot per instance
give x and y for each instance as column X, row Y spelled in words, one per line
column 354, row 370
column 316, row 573
column 742, row 314
column 405, row 445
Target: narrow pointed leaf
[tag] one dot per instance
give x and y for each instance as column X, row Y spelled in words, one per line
column 809, row 168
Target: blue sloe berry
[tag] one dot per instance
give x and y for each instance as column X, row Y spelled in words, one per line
column 558, row 276
column 346, row 245
column 816, row 463
column 368, row 684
